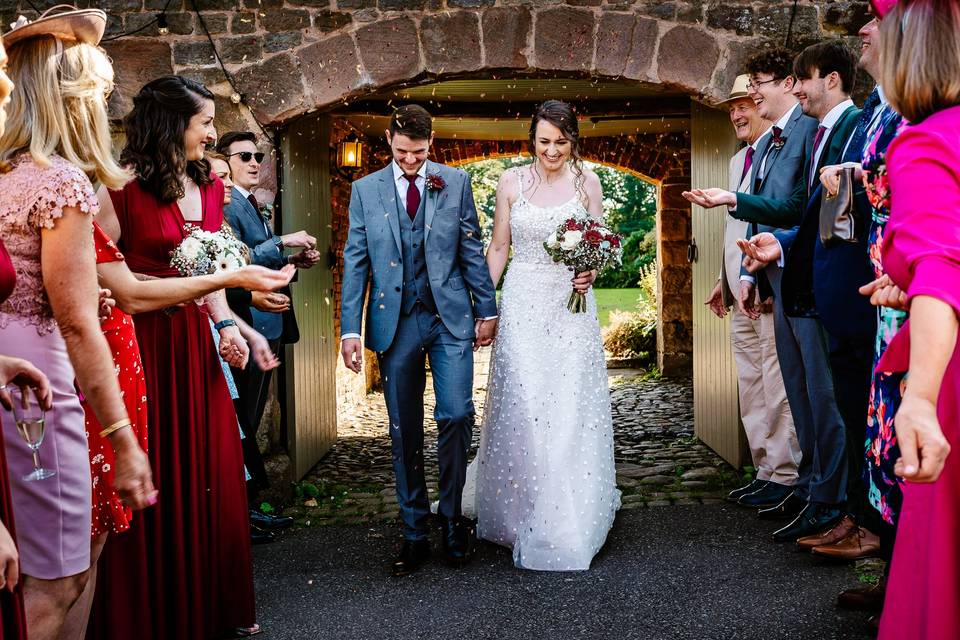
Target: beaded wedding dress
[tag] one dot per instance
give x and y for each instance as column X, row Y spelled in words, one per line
column 544, row 474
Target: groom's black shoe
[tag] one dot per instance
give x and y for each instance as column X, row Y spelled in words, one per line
column 456, row 535
column 412, row 556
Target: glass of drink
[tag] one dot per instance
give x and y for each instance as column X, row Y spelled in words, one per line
column 30, row 421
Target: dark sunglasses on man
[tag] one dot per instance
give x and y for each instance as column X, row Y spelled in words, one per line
column 246, row 155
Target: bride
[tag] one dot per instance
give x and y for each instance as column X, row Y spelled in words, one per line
column 545, row 477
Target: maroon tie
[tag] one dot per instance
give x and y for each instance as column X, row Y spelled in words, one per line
column 413, row 196
column 746, row 165
column 813, row 157
column 253, row 201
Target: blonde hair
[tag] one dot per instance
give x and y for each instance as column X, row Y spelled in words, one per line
column 920, row 57
column 59, row 107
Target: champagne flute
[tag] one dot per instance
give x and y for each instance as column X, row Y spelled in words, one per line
column 30, row 418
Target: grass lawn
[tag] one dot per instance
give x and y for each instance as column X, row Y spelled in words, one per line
column 611, row 299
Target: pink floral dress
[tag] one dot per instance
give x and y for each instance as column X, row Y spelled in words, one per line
column 53, row 515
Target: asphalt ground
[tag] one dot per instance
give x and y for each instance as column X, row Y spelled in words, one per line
column 699, row 572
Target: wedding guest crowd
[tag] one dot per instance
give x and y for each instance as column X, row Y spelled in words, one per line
column 873, row 395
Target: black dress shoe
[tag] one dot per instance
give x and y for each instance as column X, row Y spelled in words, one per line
column 789, row 507
column 813, row 519
column 413, row 554
column 269, row 522
column 736, row 494
column 259, row 536
column 770, row 496
column 456, row 534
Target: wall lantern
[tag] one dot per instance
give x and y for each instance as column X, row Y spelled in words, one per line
column 350, row 154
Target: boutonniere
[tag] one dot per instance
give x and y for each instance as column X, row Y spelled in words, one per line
column 266, row 210
column 435, row 182
column 778, row 141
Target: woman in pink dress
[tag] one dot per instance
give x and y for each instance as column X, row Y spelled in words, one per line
column 921, row 60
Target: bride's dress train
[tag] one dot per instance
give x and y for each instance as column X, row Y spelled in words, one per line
column 545, row 481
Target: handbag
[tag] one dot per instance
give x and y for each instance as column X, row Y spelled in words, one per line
column 839, row 219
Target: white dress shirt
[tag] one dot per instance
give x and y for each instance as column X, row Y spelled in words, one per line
column 782, row 123
column 829, row 122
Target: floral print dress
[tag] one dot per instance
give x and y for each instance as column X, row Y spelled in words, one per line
column 886, row 390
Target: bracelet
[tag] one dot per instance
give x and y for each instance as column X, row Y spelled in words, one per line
column 116, row 426
column 223, row 324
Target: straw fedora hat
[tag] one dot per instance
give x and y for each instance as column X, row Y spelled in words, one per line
column 64, row 22
column 739, row 89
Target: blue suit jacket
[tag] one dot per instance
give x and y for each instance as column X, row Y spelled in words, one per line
column 249, row 228
column 459, row 278
column 823, row 282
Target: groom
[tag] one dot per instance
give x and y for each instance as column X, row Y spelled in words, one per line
column 414, row 233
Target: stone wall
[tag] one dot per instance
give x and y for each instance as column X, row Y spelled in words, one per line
column 291, row 57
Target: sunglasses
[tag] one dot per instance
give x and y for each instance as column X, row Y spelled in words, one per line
column 246, row 155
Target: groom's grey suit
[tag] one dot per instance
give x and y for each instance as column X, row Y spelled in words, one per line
column 428, row 284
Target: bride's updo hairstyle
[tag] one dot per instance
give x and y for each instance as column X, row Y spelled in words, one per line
column 155, row 136
column 561, row 115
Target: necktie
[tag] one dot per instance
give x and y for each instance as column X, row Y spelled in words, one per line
column 855, row 148
column 253, row 201
column 747, row 163
column 813, row 156
column 413, row 196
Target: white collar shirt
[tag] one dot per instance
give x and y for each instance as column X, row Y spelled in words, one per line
column 402, row 184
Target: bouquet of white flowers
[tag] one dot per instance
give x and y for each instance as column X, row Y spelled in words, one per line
column 202, row 252
column 583, row 244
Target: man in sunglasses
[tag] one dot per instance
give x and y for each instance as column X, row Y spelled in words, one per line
column 269, row 312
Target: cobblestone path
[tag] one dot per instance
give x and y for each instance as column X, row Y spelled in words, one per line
column 659, row 462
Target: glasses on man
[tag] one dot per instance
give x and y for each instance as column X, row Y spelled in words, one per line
column 753, row 84
column 246, row 155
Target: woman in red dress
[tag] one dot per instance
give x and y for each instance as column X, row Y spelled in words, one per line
column 184, row 568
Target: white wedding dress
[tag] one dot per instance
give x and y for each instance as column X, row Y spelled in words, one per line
column 544, row 476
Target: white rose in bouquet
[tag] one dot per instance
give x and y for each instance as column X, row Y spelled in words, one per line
column 552, row 241
column 192, row 246
column 571, row 239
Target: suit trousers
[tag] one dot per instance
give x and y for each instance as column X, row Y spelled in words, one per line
column 764, row 408
column 253, row 386
column 805, row 366
column 851, row 361
column 421, row 334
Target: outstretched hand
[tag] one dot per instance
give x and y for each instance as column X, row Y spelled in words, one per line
column 715, row 302
column 761, row 250
column 710, row 198
column 883, row 293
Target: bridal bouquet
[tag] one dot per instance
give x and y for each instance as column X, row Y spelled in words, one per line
column 583, row 244
column 202, row 252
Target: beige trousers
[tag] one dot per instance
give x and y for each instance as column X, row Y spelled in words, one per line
column 763, row 400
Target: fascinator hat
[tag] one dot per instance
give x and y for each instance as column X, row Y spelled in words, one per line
column 882, row 7
column 64, row 22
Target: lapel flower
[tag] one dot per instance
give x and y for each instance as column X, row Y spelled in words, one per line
column 435, row 182
column 778, row 139
column 266, row 210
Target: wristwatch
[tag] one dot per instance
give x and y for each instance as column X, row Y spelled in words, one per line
column 277, row 240
column 223, row 324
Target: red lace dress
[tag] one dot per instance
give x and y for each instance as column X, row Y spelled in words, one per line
column 109, row 514
column 13, row 625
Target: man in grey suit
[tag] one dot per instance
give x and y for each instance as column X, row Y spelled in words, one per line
column 415, row 235
column 764, row 409
column 780, row 168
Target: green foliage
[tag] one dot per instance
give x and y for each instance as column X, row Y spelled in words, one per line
column 267, row 508
column 629, row 205
column 633, row 334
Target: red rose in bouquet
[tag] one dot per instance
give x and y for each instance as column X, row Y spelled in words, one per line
column 593, row 236
column 583, row 245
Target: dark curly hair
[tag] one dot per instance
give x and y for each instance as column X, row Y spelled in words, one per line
column 776, row 61
column 155, row 136
column 561, row 115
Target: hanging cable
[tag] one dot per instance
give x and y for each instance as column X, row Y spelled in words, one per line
column 793, row 16
column 227, row 74
column 160, row 18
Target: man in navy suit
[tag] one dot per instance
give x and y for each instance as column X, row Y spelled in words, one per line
column 268, row 312
column 819, row 282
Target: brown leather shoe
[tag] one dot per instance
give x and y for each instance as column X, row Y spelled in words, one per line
column 866, row 598
column 859, row 543
column 839, row 531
